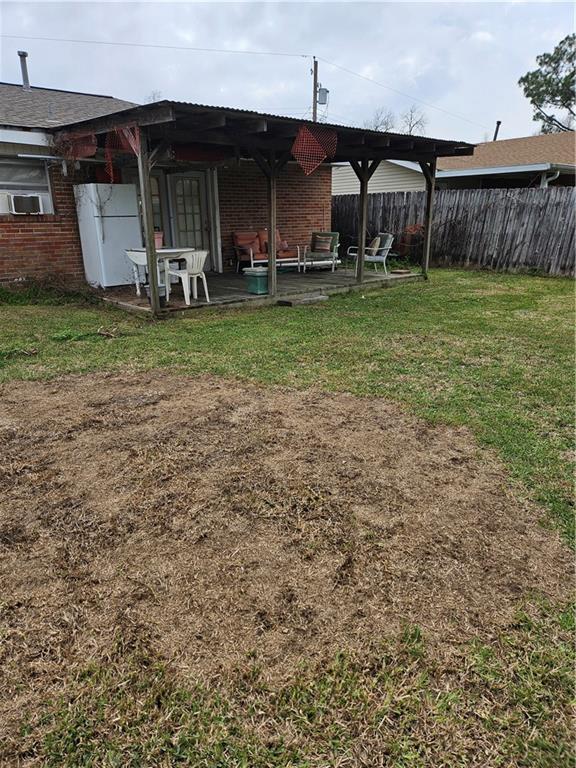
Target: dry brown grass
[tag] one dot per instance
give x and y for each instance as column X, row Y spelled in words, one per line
column 228, row 523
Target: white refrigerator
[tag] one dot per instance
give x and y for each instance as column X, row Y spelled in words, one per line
column 109, row 224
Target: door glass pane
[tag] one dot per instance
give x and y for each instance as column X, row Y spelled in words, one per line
column 190, row 214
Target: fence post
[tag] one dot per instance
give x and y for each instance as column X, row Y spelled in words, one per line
column 429, row 171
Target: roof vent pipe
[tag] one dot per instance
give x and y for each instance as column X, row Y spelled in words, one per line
column 24, row 67
column 497, row 131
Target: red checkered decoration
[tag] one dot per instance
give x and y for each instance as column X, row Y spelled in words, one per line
column 125, row 139
column 313, row 145
column 75, row 146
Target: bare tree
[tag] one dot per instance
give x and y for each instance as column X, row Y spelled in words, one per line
column 413, row 120
column 155, row 95
column 382, row 120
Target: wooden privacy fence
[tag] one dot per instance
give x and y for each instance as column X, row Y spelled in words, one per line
column 506, row 229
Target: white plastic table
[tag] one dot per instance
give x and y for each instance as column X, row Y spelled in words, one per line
column 167, row 254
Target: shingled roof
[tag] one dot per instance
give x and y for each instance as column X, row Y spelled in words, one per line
column 49, row 108
column 551, row 148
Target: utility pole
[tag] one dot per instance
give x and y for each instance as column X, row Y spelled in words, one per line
column 315, row 90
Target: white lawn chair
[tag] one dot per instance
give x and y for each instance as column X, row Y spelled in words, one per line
column 377, row 252
column 194, row 269
column 139, row 259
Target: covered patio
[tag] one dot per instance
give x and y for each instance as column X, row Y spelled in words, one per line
column 178, row 136
column 229, row 289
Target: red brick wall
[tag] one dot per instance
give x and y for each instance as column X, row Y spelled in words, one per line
column 36, row 246
column 303, row 203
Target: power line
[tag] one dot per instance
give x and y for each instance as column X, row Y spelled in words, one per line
column 400, row 93
column 156, row 45
column 248, row 53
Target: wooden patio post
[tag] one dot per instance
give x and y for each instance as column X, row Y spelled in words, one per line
column 148, row 217
column 364, row 171
column 272, row 176
column 271, row 167
column 429, row 171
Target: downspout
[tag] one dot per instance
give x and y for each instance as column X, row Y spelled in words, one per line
column 545, row 179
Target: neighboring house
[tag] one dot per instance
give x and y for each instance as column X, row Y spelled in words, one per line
column 530, row 161
column 390, row 176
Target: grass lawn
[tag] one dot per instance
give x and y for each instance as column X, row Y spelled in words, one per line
column 490, row 352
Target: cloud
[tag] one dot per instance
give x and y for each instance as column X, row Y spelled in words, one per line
column 425, row 52
column 482, row 36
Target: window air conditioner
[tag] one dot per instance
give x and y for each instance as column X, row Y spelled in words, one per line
column 25, row 204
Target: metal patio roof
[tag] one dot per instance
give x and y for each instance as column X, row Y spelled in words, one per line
column 243, row 129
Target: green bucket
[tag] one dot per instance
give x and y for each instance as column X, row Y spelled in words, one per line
column 256, row 280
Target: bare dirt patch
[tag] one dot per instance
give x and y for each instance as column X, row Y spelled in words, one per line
column 227, row 520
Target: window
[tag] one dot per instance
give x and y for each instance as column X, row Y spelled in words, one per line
column 24, row 177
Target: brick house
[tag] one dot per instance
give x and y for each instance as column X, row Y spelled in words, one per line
column 232, row 194
column 194, row 175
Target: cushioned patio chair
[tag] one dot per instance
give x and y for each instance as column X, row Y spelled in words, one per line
column 322, row 251
column 251, row 248
column 285, row 255
column 377, row 252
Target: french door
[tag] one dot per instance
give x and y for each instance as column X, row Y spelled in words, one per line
column 185, row 208
column 190, row 212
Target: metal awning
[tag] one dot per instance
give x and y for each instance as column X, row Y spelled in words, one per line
column 244, row 131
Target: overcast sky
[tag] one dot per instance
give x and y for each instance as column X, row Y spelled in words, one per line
column 463, row 58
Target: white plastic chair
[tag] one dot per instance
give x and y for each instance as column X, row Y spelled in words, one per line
column 139, row 259
column 194, row 270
